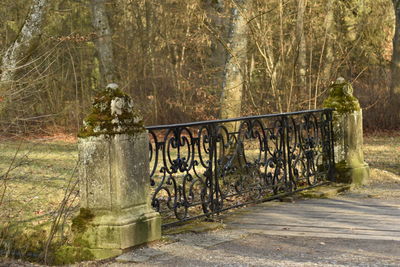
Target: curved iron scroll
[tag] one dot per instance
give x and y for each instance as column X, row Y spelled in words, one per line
column 202, row 168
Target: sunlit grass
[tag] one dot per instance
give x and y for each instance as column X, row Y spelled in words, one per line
column 383, row 152
column 34, row 176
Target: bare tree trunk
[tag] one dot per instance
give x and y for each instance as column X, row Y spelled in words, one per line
column 104, row 41
column 350, row 19
column 231, row 96
column 301, row 42
column 395, row 66
column 218, row 21
column 21, row 49
column 329, row 56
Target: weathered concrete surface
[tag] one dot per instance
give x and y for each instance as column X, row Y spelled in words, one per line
column 348, row 134
column 114, row 182
column 114, row 171
column 349, row 155
column 369, row 219
column 344, row 231
column 114, row 186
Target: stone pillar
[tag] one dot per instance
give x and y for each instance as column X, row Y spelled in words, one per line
column 348, row 134
column 114, row 179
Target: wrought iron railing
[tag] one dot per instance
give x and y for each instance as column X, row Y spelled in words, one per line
column 202, row 168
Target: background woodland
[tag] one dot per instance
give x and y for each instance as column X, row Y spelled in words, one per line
column 178, row 58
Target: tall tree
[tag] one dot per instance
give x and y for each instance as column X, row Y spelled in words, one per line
column 217, row 25
column 21, row 49
column 395, row 66
column 328, row 42
column 350, row 16
column 301, row 44
column 231, row 96
column 104, row 41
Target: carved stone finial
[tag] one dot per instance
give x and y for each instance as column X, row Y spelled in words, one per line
column 112, row 86
column 112, row 113
column 341, row 97
column 340, row 80
column 346, row 87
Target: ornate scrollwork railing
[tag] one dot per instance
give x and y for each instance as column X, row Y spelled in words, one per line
column 202, row 168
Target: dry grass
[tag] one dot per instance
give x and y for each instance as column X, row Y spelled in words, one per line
column 34, row 176
column 382, row 153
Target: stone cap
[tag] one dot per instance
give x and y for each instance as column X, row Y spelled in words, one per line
column 341, row 97
column 112, row 113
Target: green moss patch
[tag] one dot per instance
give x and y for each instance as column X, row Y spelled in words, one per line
column 79, row 250
column 69, row 255
column 194, row 227
column 327, row 191
column 80, row 222
column 341, row 99
column 24, row 241
column 112, row 113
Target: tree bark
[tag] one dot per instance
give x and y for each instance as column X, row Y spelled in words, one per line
column 218, row 21
column 395, row 64
column 231, row 96
column 301, row 44
column 350, row 19
column 21, row 49
column 104, row 45
column 329, row 56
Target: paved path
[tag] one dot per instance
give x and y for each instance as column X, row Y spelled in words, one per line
column 343, row 231
column 341, row 218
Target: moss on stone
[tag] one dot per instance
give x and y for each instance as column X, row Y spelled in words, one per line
column 356, row 175
column 194, row 227
column 69, row 255
column 112, row 113
column 341, row 98
column 80, row 222
column 327, row 191
column 24, row 241
column 79, row 250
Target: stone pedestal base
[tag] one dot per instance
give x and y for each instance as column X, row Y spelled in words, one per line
column 109, row 235
column 114, row 187
column 114, row 180
column 348, row 134
column 352, row 175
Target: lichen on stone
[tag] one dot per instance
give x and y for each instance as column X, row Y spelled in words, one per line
column 112, row 113
column 341, row 98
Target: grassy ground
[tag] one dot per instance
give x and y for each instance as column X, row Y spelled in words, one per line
column 34, row 177
column 382, row 153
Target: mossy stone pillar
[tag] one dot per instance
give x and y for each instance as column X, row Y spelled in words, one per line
column 348, row 134
column 114, row 179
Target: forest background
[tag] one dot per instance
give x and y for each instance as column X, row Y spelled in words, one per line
column 181, row 61
column 175, row 57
